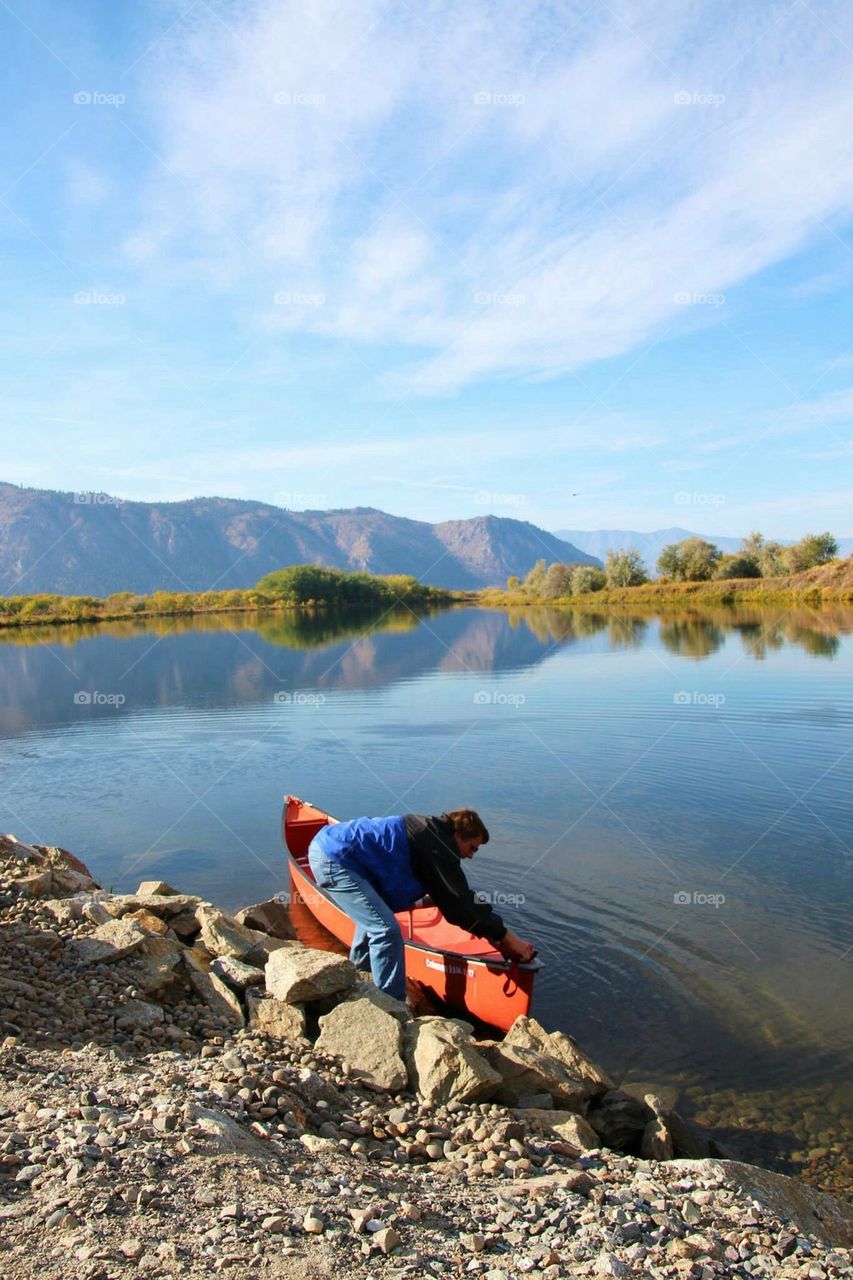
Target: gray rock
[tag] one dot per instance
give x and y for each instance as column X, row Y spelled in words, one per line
column 297, row 974
column 270, row 917
column 223, row 936
column 276, row 1017
column 110, row 942
column 618, row 1119
column 222, row 1134
column 525, row 1071
column 369, row 1039
column 158, row 887
column 564, row 1126
column 368, row 991
column 529, row 1034
column 213, row 991
column 810, row 1211
column 157, row 961
column 236, row 973
column 139, row 1013
column 444, row 1065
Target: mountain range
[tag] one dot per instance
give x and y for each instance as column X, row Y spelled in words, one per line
column 94, row 544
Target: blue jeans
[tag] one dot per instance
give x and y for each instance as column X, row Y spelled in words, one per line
column 377, row 944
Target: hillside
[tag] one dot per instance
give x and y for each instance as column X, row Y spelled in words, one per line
column 93, row 544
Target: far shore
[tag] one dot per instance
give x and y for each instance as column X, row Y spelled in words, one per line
column 832, row 583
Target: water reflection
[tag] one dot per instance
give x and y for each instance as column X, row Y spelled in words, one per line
column 611, row 775
column 227, row 659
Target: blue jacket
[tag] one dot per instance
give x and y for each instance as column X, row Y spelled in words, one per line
column 378, row 849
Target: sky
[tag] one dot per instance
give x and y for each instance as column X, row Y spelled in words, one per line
column 587, row 265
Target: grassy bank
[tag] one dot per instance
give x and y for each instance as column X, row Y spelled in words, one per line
column 828, row 583
column 331, row 591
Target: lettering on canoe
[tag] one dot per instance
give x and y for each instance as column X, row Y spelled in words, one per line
column 449, row 968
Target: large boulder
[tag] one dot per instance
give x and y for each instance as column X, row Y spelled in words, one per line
column 270, row 917
column 444, row 1065
column 297, row 974
column 809, row 1211
column 525, row 1071
column 110, row 942
column 527, row 1033
column 563, row 1126
column 369, row 1039
column 276, row 1017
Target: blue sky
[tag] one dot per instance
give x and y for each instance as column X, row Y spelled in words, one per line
column 585, row 265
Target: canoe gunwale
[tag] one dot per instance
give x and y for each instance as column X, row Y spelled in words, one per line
column 501, row 965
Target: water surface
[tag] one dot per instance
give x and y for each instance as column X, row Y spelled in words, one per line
column 668, row 795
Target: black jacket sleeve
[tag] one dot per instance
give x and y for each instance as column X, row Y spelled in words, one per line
column 436, row 863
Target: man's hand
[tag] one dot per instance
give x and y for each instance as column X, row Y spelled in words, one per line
column 512, row 947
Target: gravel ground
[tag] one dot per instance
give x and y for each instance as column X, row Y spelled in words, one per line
column 180, row 1147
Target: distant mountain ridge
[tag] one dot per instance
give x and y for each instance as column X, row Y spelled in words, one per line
column 92, row 544
column 597, row 542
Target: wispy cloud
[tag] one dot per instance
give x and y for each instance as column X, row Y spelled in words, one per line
column 512, row 192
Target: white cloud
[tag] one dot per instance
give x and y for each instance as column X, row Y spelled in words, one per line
column 343, row 143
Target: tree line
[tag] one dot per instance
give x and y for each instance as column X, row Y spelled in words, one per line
column 691, row 560
column 297, row 585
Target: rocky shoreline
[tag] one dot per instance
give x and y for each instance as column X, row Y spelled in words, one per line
column 184, row 1092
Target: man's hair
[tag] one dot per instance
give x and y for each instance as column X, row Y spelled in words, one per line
column 468, row 825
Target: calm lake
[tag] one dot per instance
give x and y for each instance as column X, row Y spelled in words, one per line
column 668, row 796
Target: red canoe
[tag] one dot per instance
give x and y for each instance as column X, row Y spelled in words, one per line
column 449, row 963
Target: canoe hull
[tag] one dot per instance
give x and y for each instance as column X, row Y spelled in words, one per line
column 483, row 986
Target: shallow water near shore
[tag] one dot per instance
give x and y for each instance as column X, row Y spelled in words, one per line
column 668, row 794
